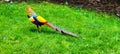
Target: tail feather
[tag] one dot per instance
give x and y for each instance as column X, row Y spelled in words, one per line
column 60, row 30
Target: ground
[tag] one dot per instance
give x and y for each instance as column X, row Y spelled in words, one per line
column 100, row 31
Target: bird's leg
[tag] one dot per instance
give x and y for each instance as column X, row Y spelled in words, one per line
column 38, row 28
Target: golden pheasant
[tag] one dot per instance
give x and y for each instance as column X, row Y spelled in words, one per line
column 38, row 21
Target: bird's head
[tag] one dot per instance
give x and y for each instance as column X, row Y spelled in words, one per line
column 30, row 12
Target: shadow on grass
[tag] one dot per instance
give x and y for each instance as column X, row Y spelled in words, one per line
column 43, row 31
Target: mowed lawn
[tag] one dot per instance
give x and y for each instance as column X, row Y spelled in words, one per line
column 100, row 32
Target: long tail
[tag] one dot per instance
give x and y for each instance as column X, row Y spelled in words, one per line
column 60, row 30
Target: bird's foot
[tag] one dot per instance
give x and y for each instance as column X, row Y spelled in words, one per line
column 39, row 30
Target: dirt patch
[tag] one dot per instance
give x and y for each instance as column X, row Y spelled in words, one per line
column 109, row 6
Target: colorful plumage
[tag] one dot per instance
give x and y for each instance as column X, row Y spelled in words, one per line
column 39, row 21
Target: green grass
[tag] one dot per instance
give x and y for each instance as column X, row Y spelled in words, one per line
column 100, row 31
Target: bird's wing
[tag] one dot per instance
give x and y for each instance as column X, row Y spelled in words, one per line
column 41, row 19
